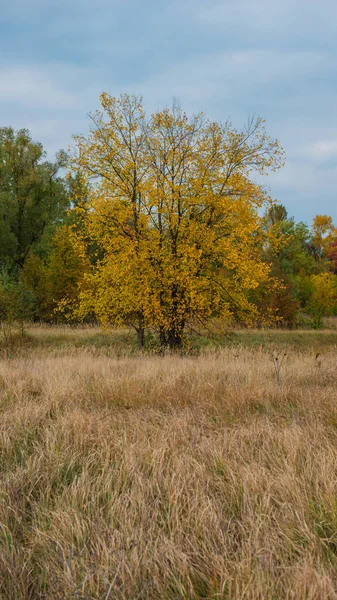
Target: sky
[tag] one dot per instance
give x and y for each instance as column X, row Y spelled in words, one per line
column 231, row 59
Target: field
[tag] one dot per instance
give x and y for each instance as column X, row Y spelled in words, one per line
column 135, row 476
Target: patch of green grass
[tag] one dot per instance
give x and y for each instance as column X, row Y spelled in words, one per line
column 123, row 342
column 66, row 475
column 270, row 338
column 325, row 526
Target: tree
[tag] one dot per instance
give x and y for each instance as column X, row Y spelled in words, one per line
column 173, row 214
column 275, row 215
column 323, row 297
column 33, row 198
column 65, row 271
column 323, row 234
column 297, row 255
column 291, row 249
column 57, row 278
column 332, row 255
column 17, row 305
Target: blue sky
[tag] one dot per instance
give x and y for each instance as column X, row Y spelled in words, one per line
column 231, row 59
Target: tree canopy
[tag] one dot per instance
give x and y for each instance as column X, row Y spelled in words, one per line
column 173, row 213
column 33, row 198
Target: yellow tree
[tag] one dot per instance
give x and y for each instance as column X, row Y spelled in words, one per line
column 172, row 215
column 58, row 279
column 323, row 235
column 323, row 297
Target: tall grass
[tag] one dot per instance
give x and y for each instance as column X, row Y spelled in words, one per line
column 149, row 477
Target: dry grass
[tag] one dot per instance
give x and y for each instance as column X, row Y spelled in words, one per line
column 168, row 477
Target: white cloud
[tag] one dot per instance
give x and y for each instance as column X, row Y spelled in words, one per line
column 52, row 103
column 305, row 189
column 258, row 13
column 323, row 149
column 226, row 75
column 33, row 87
column 288, row 18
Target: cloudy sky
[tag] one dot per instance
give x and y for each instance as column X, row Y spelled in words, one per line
column 229, row 58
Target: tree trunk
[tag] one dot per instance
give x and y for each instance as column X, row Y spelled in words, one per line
column 172, row 337
column 140, row 332
column 162, row 337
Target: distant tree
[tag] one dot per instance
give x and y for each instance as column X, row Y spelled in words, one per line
column 323, row 297
column 65, row 270
column 17, row 304
column 292, row 262
column 332, row 255
column 56, row 278
column 34, row 276
column 33, row 197
column 323, row 234
column 275, row 214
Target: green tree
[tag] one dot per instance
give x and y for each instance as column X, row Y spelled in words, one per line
column 292, row 262
column 17, row 305
column 33, row 197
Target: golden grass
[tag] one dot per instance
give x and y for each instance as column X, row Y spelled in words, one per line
column 167, row 477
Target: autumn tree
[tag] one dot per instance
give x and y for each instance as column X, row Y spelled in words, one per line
column 173, row 215
column 323, row 297
column 323, row 235
column 56, row 278
column 332, row 255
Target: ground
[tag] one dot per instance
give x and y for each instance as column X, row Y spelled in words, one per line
column 144, row 476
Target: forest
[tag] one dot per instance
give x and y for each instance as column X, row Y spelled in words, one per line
column 157, row 223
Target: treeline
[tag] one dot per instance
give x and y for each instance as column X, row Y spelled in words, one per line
column 155, row 222
column 304, row 266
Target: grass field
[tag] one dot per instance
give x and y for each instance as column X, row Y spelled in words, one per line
column 138, row 476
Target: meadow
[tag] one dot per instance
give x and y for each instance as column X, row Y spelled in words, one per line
column 140, row 476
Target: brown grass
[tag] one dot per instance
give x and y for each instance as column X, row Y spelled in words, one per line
column 166, row 477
